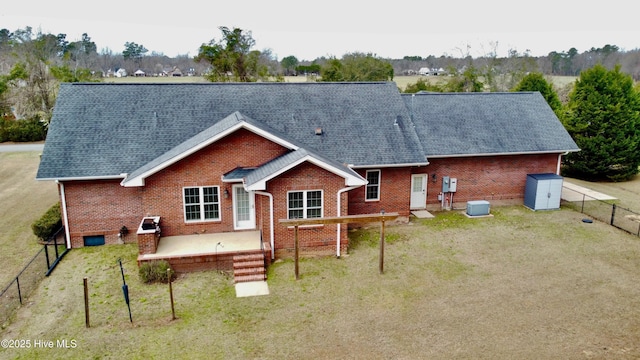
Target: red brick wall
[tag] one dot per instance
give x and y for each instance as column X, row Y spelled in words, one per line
column 395, row 187
column 320, row 240
column 497, row 179
column 102, row 208
column 163, row 192
column 500, row 179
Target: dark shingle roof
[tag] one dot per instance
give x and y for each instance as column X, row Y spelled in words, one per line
column 456, row 124
column 102, row 130
column 106, row 130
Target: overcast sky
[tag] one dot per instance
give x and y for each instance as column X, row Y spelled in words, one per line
column 390, row 29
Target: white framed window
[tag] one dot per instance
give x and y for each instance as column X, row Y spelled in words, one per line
column 201, row 203
column 304, row 204
column 372, row 190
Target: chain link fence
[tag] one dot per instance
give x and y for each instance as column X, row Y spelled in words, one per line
column 28, row 279
column 14, row 294
column 602, row 210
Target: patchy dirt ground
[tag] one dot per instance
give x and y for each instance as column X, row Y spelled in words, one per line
column 518, row 285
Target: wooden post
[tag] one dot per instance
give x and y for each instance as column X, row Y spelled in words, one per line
column 364, row 218
column 382, row 247
column 86, row 303
column 296, row 251
column 173, row 310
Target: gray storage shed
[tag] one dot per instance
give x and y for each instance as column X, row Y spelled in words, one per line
column 543, row 191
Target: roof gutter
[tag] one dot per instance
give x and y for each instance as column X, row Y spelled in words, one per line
column 85, row 178
column 504, row 154
column 387, row 165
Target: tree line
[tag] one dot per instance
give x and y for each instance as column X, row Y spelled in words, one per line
column 601, row 110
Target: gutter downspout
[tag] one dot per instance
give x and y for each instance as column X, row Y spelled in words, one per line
column 339, row 207
column 560, row 162
column 271, row 230
column 63, row 198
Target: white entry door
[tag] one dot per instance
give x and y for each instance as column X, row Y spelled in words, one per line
column 418, row 191
column 244, row 210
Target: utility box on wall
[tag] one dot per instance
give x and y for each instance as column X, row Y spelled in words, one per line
column 543, row 191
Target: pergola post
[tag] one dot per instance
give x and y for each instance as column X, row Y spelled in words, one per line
column 296, row 251
column 365, row 218
column 382, row 246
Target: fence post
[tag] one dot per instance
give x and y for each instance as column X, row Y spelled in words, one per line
column 613, row 213
column 46, row 254
column 19, row 292
column 86, row 302
column 55, row 244
column 583, row 198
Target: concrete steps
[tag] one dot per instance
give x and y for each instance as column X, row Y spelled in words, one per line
column 248, row 268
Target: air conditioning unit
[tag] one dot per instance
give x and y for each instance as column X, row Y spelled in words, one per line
column 478, row 208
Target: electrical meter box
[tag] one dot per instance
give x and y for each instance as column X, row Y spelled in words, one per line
column 449, row 184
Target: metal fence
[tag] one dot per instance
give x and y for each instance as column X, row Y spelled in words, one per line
column 602, row 210
column 28, row 279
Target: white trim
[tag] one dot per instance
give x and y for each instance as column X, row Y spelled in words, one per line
column 350, row 180
column 304, row 202
column 63, row 200
column 366, row 187
column 201, row 203
column 139, row 180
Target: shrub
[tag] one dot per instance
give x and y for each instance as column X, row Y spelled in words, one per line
column 48, row 223
column 155, row 271
column 22, row 130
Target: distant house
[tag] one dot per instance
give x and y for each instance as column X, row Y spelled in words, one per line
column 121, row 72
column 139, row 73
column 173, row 71
column 188, row 162
column 425, row 71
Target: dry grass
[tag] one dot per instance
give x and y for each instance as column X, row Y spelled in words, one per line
column 627, row 192
column 522, row 284
column 22, row 201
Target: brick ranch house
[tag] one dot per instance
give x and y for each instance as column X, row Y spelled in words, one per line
column 147, row 163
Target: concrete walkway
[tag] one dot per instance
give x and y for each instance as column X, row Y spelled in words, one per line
column 573, row 192
column 252, row 288
column 17, row 147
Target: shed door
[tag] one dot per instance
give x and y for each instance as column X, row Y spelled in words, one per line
column 418, row 191
column 548, row 194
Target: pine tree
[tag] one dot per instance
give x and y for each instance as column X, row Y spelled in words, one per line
column 537, row 82
column 603, row 118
